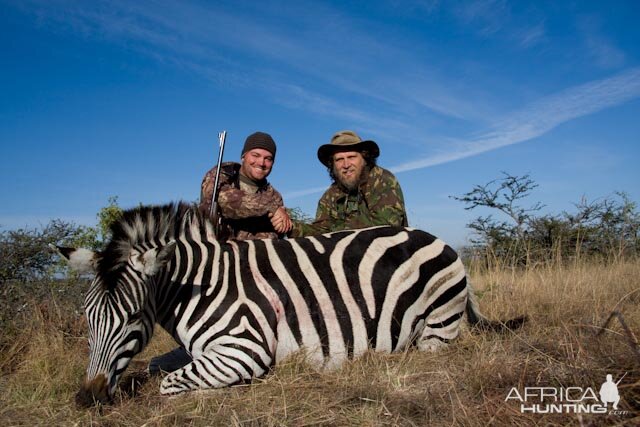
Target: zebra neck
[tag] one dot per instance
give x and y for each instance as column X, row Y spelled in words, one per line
column 196, row 271
column 196, row 262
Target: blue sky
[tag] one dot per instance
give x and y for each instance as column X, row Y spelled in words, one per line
column 126, row 99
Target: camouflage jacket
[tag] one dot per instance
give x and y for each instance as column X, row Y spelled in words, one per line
column 378, row 201
column 243, row 206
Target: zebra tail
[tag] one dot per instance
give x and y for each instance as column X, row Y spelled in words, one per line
column 478, row 320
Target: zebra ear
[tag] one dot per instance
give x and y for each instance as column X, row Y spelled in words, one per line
column 154, row 259
column 81, row 260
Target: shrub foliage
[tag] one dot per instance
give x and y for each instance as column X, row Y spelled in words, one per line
column 518, row 234
column 26, row 254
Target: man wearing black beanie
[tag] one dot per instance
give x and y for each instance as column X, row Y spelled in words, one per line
column 246, row 199
column 246, row 202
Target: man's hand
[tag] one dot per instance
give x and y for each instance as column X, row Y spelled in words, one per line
column 281, row 221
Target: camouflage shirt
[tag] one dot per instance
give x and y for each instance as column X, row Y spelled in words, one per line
column 244, row 205
column 377, row 201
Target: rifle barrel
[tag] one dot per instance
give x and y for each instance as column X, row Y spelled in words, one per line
column 222, row 136
column 625, row 374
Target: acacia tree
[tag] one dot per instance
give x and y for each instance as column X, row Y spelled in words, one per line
column 504, row 195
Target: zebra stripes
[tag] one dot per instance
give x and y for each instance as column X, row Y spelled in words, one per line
column 242, row 306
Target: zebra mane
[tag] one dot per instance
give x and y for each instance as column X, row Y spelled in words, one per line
column 146, row 226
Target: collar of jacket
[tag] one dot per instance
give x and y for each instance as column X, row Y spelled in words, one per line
column 260, row 184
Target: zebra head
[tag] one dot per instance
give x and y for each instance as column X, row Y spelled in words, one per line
column 120, row 310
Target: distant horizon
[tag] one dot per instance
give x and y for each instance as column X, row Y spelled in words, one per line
column 125, row 99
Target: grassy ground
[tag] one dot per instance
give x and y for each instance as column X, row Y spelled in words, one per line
column 42, row 363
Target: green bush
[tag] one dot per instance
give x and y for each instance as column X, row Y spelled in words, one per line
column 605, row 228
column 25, row 254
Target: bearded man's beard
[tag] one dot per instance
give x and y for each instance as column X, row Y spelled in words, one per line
column 351, row 183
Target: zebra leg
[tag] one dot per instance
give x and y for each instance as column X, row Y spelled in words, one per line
column 442, row 325
column 214, row 370
column 433, row 339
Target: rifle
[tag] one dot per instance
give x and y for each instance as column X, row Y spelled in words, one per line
column 625, row 374
column 213, row 213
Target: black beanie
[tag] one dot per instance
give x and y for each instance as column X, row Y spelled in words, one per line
column 260, row 140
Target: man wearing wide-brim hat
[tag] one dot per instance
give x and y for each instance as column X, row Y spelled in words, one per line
column 362, row 193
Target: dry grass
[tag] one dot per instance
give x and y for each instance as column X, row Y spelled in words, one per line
column 466, row 384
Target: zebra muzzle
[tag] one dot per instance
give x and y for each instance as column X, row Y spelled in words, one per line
column 93, row 392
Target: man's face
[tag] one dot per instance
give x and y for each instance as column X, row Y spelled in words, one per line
column 256, row 164
column 348, row 167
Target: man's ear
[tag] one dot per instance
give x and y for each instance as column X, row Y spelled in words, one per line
column 153, row 260
column 81, row 260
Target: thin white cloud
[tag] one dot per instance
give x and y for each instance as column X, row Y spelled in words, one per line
column 599, row 48
column 531, row 36
column 541, row 117
column 294, row 97
column 605, row 54
column 488, row 16
column 301, row 193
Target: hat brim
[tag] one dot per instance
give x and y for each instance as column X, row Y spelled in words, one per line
column 327, row 150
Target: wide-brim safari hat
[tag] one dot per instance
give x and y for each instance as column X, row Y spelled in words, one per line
column 346, row 140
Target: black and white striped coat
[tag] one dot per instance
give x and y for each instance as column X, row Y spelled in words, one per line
column 242, row 306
